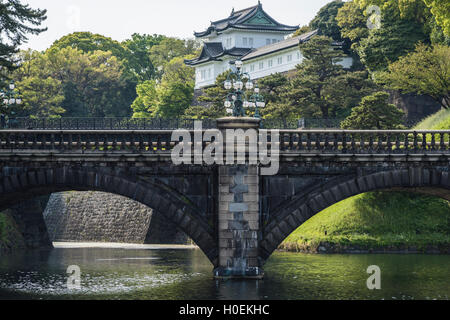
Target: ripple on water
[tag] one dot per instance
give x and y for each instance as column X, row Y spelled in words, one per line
column 55, row 284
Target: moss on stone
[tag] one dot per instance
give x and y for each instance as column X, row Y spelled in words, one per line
column 10, row 237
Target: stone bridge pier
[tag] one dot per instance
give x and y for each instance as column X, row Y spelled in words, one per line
column 239, row 212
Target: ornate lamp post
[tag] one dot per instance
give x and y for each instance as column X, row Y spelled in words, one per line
column 236, row 101
column 257, row 101
column 10, row 97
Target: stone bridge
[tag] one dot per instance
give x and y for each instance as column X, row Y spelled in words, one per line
column 235, row 215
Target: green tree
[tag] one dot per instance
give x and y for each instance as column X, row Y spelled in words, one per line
column 168, row 49
column 144, row 106
column 42, row 98
column 352, row 22
column 169, row 98
column 403, row 25
column 441, row 10
column 176, row 91
column 89, row 42
column 390, row 42
column 425, row 71
column 91, row 82
column 137, row 56
column 321, row 88
column 314, row 75
column 326, row 22
column 274, row 88
column 302, row 30
column 16, row 21
column 374, row 113
column 347, row 91
column 215, row 96
column 201, row 112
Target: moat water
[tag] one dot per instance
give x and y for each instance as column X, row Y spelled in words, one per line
column 158, row 272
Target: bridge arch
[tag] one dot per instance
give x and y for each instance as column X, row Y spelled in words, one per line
column 30, row 183
column 302, row 207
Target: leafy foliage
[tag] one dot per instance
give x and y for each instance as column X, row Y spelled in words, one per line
column 302, row 30
column 387, row 44
column 403, row 25
column 441, row 10
column 326, row 22
column 424, row 71
column 352, row 22
column 137, row 55
column 168, row 49
column 91, row 83
column 321, row 88
column 90, row 42
column 274, row 88
column 374, row 112
column 314, row 75
column 215, row 97
column 15, row 21
column 144, row 106
column 169, row 98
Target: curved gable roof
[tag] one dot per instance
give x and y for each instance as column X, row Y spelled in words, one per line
column 253, row 18
column 213, row 51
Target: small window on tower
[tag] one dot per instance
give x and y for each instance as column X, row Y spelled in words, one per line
column 245, row 41
column 250, row 42
column 267, row 41
column 274, row 40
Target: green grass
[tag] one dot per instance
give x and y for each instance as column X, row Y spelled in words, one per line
column 437, row 121
column 380, row 220
column 376, row 220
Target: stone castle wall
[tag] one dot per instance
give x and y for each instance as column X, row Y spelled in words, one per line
column 103, row 217
column 416, row 107
column 29, row 223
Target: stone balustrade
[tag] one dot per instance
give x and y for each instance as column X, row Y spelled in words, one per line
column 297, row 141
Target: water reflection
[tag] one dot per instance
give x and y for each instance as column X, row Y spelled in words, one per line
column 124, row 273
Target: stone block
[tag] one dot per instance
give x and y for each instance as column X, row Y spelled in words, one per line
column 251, row 180
column 238, row 207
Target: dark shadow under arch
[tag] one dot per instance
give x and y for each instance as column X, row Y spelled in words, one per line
column 302, row 207
column 36, row 182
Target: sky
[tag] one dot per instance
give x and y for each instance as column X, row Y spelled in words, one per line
column 119, row 19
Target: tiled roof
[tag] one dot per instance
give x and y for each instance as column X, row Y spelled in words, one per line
column 247, row 19
column 213, row 51
column 282, row 45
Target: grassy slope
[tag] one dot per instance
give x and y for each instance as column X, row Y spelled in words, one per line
column 378, row 219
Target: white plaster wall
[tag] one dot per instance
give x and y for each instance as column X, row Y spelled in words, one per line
column 276, row 67
column 237, row 38
column 219, row 67
column 210, row 75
